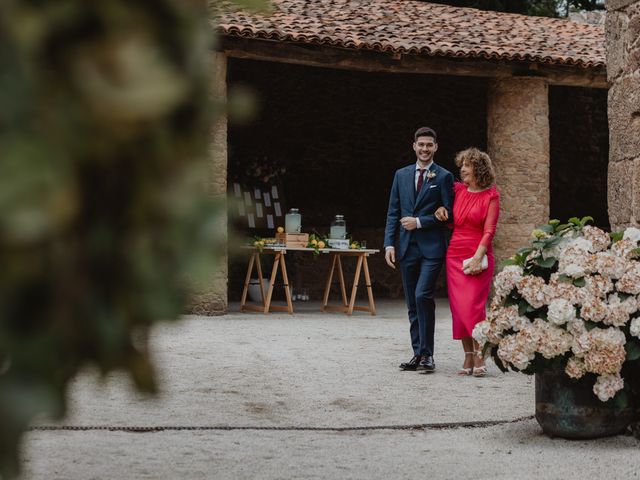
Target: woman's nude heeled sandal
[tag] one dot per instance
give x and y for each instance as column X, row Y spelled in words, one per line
column 466, row 371
column 479, row 371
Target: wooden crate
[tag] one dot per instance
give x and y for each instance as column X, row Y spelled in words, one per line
column 293, row 239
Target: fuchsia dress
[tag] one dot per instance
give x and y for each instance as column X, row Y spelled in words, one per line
column 475, row 216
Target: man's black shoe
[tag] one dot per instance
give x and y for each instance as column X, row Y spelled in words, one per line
column 412, row 364
column 426, row 365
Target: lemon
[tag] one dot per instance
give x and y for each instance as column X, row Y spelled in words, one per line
column 320, row 244
column 314, row 242
column 280, row 230
column 353, row 245
column 256, row 243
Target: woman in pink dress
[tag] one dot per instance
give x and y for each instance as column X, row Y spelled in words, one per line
column 476, row 208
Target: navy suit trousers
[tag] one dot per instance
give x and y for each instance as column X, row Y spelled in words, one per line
column 419, row 275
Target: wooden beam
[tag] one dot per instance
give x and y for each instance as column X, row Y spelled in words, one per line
column 370, row 61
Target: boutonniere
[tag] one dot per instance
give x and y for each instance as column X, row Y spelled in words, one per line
column 431, row 174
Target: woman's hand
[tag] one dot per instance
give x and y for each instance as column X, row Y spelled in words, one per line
column 442, row 214
column 474, row 267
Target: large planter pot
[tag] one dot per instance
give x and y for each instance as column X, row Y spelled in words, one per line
column 568, row 408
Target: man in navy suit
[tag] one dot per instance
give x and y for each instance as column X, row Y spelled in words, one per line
column 418, row 191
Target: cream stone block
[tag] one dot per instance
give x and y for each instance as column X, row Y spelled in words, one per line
column 210, row 297
column 518, row 143
column 624, row 119
column 616, row 26
column 621, row 183
column 612, row 5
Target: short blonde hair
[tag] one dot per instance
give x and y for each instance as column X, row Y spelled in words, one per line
column 481, row 163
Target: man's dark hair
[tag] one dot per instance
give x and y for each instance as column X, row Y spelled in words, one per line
column 425, row 132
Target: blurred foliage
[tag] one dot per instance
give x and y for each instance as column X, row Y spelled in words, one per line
column 543, row 8
column 105, row 218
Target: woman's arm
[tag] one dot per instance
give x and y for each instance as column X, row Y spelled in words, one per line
column 490, row 223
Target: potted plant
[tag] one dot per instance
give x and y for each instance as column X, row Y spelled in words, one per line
column 566, row 308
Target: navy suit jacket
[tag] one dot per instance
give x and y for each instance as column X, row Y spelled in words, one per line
column 403, row 202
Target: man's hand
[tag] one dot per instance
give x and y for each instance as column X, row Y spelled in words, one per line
column 442, row 214
column 390, row 257
column 409, row 223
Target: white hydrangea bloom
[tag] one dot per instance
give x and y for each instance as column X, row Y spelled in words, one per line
column 598, row 285
column 576, row 327
column 619, row 311
column 630, row 281
column 623, row 248
column 574, row 270
column 533, row 290
column 561, row 311
column 580, row 243
column 634, row 327
column 481, row 332
column 607, row 386
column 575, row 367
column 632, row 233
column 610, row 265
column 599, row 239
column 551, row 341
column 506, row 280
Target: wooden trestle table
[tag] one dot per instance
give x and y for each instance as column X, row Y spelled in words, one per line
column 279, row 263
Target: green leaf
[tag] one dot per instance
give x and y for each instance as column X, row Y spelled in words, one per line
column 554, row 222
column 509, row 301
column 633, row 350
column 579, row 282
column 565, row 278
column 586, row 220
column 616, row 236
column 523, row 307
column 524, row 251
column 545, row 262
column 575, row 221
column 621, row 399
column 589, row 325
column 553, row 242
column 546, row 228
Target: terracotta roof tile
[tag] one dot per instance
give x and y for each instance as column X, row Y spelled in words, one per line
column 414, row 27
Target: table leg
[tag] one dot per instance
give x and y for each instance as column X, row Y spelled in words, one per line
column 354, row 289
column 247, row 279
column 260, row 277
column 274, row 271
column 327, row 287
column 285, row 279
column 367, row 278
column 343, row 289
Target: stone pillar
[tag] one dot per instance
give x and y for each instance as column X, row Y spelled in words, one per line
column 518, row 144
column 210, row 297
column 623, row 72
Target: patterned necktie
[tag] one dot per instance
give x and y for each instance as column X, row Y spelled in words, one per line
column 420, row 180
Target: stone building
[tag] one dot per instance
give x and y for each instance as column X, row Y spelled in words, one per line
column 342, row 85
column 623, row 71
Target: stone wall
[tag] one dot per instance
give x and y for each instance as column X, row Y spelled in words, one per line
column 210, row 297
column 518, row 130
column 623, row 71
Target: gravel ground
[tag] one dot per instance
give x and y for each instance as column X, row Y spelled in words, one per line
column 259, row 387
